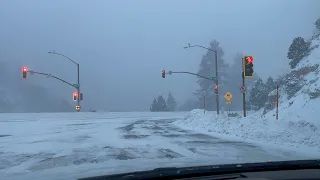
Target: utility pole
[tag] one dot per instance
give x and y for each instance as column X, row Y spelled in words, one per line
column 216, row 68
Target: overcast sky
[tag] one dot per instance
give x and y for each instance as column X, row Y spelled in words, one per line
column 122, row 45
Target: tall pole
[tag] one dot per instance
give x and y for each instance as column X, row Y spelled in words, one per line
column 244, row 97
column 216, row 63
column 244, row 91
column 78, row 87
column 78, row 75
column 217, row 83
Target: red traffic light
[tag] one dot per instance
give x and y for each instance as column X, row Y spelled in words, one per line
column 250, row 59
column 75, row 96
column 163, row 73
column 25, row 69
column 24, row 72
column 248, row 66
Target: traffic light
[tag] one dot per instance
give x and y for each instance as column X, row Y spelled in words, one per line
column 81, row 96
column 75, row 96
column 216, row 89
column 248, row 66
column 163, row 73
column 24, row 72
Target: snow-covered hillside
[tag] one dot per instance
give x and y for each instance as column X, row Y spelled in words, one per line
column 298, row 125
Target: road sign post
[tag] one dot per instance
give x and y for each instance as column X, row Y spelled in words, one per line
column 228, row 97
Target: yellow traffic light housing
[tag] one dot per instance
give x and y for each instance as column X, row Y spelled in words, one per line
column 248, row 66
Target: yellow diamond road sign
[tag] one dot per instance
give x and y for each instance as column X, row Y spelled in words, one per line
column 228, row 96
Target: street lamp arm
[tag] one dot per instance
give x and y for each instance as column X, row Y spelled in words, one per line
column 194, row 75
column 63, row 56
column 50, row 75
column 190, row 46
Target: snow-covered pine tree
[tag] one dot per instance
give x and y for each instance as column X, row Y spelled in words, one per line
column 207, row 68
column 259, row 95
column 171, row 102
column 161, row 103
column 153, row 107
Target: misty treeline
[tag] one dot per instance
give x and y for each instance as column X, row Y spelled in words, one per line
column 17, row 95
column 257, row 89
column 159, row 104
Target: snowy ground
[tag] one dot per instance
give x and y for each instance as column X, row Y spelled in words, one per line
column 73, row 145
column 300, row 135
column 298, row 126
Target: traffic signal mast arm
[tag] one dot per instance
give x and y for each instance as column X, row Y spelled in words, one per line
column 193, row 74
column 49, row 75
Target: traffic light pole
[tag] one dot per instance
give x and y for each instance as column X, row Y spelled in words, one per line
column 247, row 72
column 216, row 63
column 244, row 97
column 78, row 75
column 78, row 87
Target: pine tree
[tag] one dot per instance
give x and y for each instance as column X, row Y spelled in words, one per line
column 171, row 102
column 298, row 49
column 207, row 68
column 153, row 107
column 259, row 95
column 317, row 24
column 293, row 84
column 161, row 105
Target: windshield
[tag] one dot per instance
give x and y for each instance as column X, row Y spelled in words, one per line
column 109, row 86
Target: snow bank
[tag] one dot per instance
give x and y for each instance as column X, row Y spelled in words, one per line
column 298, row 125
column 285, row 133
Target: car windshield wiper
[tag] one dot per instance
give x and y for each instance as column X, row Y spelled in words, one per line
column 201, row 171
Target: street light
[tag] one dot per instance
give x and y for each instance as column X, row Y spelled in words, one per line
column 78, row 74
column 216, row 68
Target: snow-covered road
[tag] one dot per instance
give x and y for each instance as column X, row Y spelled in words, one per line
column 73, row 145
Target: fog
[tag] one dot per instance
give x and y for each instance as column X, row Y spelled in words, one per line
column 123, row 45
